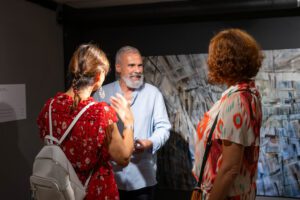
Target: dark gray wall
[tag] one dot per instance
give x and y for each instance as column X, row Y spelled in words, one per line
column 163, row 39
column 31, row 53
column 183, row 38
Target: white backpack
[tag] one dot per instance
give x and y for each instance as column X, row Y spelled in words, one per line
column 54, row 177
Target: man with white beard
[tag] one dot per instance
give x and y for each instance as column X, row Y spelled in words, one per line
column 137, row 181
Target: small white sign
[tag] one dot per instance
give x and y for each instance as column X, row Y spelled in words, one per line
column 12, row 102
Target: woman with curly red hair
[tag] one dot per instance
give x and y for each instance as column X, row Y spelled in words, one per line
column 229, row 172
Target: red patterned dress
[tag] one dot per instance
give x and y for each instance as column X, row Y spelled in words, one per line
column 240, row 124
column 86, row 145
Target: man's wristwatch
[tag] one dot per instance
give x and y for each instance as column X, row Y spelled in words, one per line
column 128, row 126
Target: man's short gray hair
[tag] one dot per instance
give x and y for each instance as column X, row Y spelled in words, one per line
column 125, row 49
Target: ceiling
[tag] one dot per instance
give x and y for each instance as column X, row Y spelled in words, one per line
column 109, row 3
column 141, row 12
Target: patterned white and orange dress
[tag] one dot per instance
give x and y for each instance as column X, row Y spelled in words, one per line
column 239, row 121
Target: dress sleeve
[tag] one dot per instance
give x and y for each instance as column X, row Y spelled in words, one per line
column 107, row 116
column 110, row 114
column 234, row 123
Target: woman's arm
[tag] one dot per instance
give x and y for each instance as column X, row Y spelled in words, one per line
column 121, row 146
column 230, row 167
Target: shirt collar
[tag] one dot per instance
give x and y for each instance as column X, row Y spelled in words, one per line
column 134, row 93
column 250, row 85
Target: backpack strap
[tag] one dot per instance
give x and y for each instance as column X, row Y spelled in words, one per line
column 51, row 137
column 208, row 143
column 74, row 121
column 207, row 149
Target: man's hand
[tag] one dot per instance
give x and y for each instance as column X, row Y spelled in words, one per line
column 142, row 145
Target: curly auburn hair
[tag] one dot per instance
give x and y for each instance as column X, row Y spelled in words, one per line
column 233, row 56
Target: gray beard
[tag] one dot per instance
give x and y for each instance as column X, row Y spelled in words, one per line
column 133, row 84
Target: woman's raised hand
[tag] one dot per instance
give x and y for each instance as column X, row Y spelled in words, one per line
column 122, row 107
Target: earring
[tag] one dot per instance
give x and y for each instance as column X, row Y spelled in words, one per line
column 101, row 93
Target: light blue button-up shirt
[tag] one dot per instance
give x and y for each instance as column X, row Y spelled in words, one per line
column 150, row 122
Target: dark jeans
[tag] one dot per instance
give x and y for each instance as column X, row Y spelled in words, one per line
column 146, row 193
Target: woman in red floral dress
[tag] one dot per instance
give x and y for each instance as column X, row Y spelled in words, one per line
column 230, row 171
column 95, row 138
